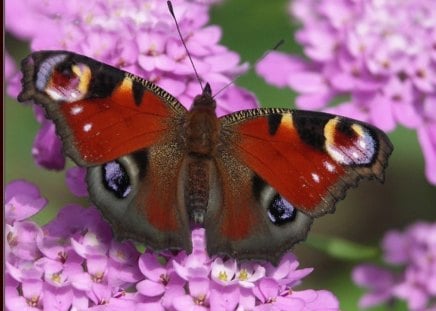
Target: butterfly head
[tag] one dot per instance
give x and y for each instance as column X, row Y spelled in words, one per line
column 204, row 101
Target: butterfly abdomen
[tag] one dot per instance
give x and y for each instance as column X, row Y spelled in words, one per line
column 196, row 189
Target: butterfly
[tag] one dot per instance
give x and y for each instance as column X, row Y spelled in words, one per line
column 254, row 179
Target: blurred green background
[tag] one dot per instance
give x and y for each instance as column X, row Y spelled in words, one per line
column 250, row 28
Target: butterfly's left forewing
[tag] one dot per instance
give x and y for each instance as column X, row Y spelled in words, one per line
column 125, row 130
column 296, row 160
column 100, row 112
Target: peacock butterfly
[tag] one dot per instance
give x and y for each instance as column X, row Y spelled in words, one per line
column 254, row 179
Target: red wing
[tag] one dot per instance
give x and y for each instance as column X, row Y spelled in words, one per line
column 101, row 112
column 310, row 158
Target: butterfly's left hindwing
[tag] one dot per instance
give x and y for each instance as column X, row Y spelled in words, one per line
column 101, row 112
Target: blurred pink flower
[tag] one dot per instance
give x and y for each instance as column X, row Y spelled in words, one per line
column 75, row 262
column 12, row 76
column 380, row 55
column 427, row 139
column 47, row 147
column 22, row 200
column 414, row 281
column 379, row 282
column 76, row 181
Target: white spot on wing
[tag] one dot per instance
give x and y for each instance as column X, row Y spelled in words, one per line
column 87, row 127
column 54, row 94
column 330, row 167
column 336, row 154
column 315, row 177
column 76, row 110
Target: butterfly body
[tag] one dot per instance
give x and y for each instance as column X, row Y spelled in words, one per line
column 200, row 135
column 254, row 179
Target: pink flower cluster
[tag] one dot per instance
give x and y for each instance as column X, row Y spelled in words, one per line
column 375, row 59
column 413, row 252
column 73, row 263
column 136, row 36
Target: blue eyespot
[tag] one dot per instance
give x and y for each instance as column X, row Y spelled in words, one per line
column 281, row 211
column 116, row 179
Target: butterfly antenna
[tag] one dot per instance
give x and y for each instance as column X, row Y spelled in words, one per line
column 170, row 8
column 278, row 44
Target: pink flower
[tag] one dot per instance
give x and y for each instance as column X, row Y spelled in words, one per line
column 286, row 272
column 73, row 220
column 414, row 280
column 224, row 272
column 21, row 241
column 47, row 147
column 31, row 297
column 95, row 241
column 249, row 274
column 378, row 54
column 377, row 280
column 57, row 298
column 22, row 200
column 12, row 76
column 10, row 291
column 320, row 300
column 197, row 264
column 106, row 298
column 427, row 140
column 197, row 298
column 75, row 180
column 272, row 298
column 60, row 262
column 123, row 263
column 74, row 261
column 161, row 283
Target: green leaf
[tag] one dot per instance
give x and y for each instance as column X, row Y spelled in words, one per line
column 343, row 249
